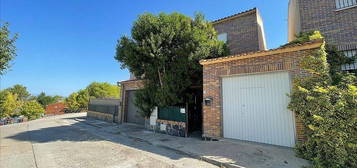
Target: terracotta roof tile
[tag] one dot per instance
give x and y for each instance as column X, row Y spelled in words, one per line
column 233, row 16
column 244, row 55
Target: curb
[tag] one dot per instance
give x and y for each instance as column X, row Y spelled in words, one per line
column 192, row 155
column 197, row 156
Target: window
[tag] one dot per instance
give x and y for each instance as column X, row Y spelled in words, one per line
column 222, row 37
column 341, row 4
column 350, row 53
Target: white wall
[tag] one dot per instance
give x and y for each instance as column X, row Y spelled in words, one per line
column 294, row 26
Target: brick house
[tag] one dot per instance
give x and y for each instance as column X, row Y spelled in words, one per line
column 243, row 32
column 335, row 19
column 55, row 109
column 245, row 95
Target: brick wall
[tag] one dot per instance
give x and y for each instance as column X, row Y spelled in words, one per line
column 338, row 26
column 270, row 61
column 132, row 85
column 243, row 33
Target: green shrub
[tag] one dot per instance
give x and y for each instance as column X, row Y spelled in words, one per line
column 304, row 37
column 8, row 104
column 329, row 113
column 32, row 110
column 71, row 102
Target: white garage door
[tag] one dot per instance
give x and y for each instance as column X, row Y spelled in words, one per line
column 255, row 108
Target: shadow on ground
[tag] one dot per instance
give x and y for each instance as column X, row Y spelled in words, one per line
column 223, row 152
column 82, row 132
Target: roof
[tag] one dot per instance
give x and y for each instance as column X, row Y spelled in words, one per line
column 285, row 49
column 129, row 80
column 250, row 11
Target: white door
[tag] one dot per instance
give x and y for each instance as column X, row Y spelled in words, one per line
column 255, row 108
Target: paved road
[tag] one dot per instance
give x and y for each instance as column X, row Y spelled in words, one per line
column 65, row 142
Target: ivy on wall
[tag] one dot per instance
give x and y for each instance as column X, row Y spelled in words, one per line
column 328, row 110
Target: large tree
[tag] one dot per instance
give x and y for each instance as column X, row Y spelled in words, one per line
column 7, row 48
column 20, row 91
column 165, row 50
column 103, row 90
column 45, row 100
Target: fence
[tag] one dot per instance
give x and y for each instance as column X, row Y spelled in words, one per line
column 104, row 109
column 108, row 109
column 172, row 113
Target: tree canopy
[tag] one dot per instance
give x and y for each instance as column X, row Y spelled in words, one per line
column 83, row 97
column 103, row 90
column 16, row 101
column 71, row 101
column 20, row 91
column 45, row 100
column 8, row 104
column 7, row 48
column 80, row 99
column 165, row 50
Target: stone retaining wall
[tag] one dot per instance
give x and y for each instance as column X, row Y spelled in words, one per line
column 171, row 128
column 100, row 116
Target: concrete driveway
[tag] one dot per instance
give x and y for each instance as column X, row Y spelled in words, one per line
column 62, row 141
column 225, row 152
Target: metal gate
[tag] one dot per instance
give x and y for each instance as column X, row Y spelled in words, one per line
column 133, row 114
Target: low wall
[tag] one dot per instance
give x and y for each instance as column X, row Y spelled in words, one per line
column 105, row 109
column 101, row 116
column 171, row 128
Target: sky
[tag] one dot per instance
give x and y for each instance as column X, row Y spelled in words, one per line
column 65, row 45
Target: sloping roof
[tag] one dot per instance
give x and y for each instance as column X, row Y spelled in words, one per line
column 129, row 80
column 234, row 16
column 290, row 48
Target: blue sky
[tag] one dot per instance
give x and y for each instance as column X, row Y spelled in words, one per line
column 65, row 45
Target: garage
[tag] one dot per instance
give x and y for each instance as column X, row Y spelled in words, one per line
column 133, row 115
column 255, row 108
column 245, row 95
